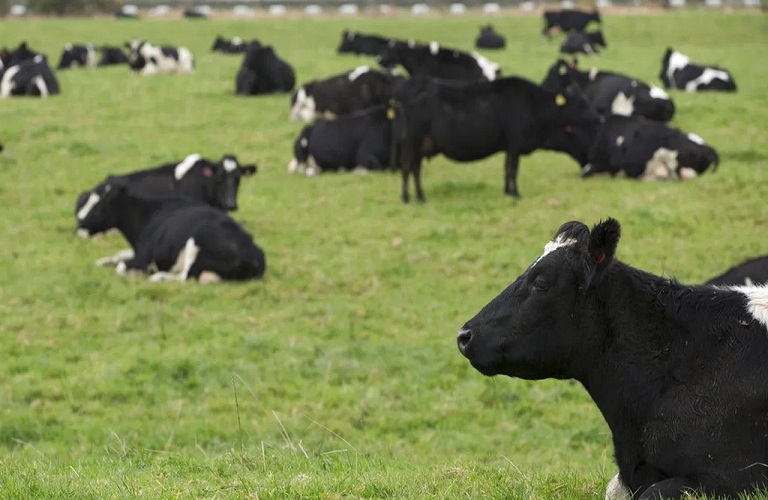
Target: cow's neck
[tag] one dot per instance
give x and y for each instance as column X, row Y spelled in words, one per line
column 135, row 215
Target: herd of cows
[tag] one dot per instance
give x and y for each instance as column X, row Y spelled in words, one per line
column 666, row 363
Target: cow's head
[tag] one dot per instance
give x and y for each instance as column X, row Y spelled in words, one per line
column 137, row 58
column 542, row 325
column 220, row 44
column 21, row 53
column 693, row 153
column 97, row 211
column 412, row 107
column 233, row 173
column 348, row 42
column 650, row 102
column 393, row 54
column 568, row 123
column 561, row 75
column 597, row 38
column 303, row 106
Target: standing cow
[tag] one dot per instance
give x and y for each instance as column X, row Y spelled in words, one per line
column 678, row 72
column 149, row 59
column 680, row 373
column 567, row 20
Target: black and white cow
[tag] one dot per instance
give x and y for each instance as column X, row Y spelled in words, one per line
column 363, row 44
column 234, row 46
column 342, row 94
column 112, row 55
column 172, row 237
column 75, row 56
column 439, row 62
column 648, row 150
column 30, row 77
column 678, row 72
column 359, row 141
column 583, row 43
column 612, row 93
column 263, row 72
column 471, row 121
column 21, row 53
column 149, row 59
column 490, row 39
column 678, row 372
column 568, row 20
column 750, row 272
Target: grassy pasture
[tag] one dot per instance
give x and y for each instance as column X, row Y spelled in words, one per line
column 337, row 376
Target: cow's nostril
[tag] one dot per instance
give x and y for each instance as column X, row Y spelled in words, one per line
column 463, row 338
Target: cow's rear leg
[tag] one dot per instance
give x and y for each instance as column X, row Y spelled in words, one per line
column 417, row 181
column 405, row 196
column 510, row 175
column 180, row 270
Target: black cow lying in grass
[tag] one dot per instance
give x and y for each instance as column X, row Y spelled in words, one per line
column 77, row 56
column 111, row 55
column 490, row 39
column 583, row 43
column 263, row 72
column 750, row 272
column 28, row 77
column 648, row 150
column 439, row 62
column 363, row 44
column 173, row 237
column 680, row 373
column 471, row 121
column 234, row 46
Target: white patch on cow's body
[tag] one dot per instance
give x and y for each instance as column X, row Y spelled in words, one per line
column 696, row 138
column 757, row 301
column 706, row 78
column 164, row 64
column 676, row 61
column 623, row 105
column 184, row 262
column 354, row 74
column 113, row 260
column 68, row 46
column 559, row 242
column 121, row 268
column 7, row 84
column 90, row 56
column 207, row 277
column 662, row 166
column 237, row 41
column 185, row 165
column 39, row 82
column 93, row 199
column 489, row 68
column 229, row 165
column 312, row 168
column 593, row 73
column 617, row 490
column 620, row 140
column 303, row 142
column 304, row 108
column 434, row 48
column 38, row 59
column 657, row 93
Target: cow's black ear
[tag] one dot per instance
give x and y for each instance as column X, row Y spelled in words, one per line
column 603, row 241
column 249, row 169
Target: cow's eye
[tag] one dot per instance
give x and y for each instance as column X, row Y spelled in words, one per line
column 540, row 283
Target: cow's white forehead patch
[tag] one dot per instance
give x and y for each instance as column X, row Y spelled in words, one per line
column 695, row 138
column 184, row 165
column 68, row 46
column 434, row 48
column 93, row 199
column 757, row 301
column 623, row 105
column 229, row 165
column 657, row 93
column 560, row 241
column 357, row 72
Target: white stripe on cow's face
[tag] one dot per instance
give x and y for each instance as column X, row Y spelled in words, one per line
column 229, row 165
column 93, row 199
column 184, row 165
column 623, row 105
column 706, row 78
column 676, row 61
column 757, row 301
column 662, row 166
column 304, row 108
column 434, row 48
column 657, row 93
column 353, row 75
column 559, row 242
column 695, row 138
column 490, row 69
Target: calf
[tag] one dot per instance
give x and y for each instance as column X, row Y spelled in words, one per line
column 568, row 20
column 74, row 56
column 360, row 43
column 111, row 56
column 171, row 236
column 359, row 141
column 677, row 72
column 471, row 121
column 612, row 93
column 439, row 62
column 490, row 39
column 30, row 77
column 750, row 272
column 678, row 372
column 234, row 46
column 583, row 43
column 648, row 150
column 149, row 59
column 341, row 94
column 263, row 72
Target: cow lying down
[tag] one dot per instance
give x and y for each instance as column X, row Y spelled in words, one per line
column 359, row 141
column 750, row 272
column 680, row 373
column 174, row 238
column 647, row 150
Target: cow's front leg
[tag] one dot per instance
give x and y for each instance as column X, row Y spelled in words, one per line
column 510, row 174
column 116, row 259
column 417, row 179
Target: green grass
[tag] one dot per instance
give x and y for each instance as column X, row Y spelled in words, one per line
column 337, row 376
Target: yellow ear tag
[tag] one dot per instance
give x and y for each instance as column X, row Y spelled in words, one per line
column 560, row 100
column 390, row 113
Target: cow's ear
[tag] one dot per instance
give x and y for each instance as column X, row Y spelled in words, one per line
column 603, row 241
column 249, row 169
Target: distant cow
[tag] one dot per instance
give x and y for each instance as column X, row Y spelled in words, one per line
column 612, row 93
column 439, row 62
column 149, row 59
column 360, row 141
column 471, row 121
column 583, row 43
column 171, row 236
column 74, row 56
column 263, row 72
column 677, row 72
column 234, row 46
column 341, row 94
column 750, row 272
column 678, row 372
column 490, row 39
column 362, row 44
column 568, row 20
column 111, row 56
column 648, row 150
column 195, row 13
column 30, row 77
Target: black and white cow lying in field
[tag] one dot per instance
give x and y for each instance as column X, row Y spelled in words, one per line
column 149, row 59
column 439, row 62
column 363, row 44
column 111, row 56
column 75, row 56
column 471, row 121
column 30, row 77
column 234, row 46
column 341, row 94
column 648, row 150
column 583, row 43
column 680, row 373
column 678, row 72
column 263, row 72
column 750, row 272
column 173, row 237
column 612, row 93
column 21, row 53
column 566, row 20
column 490, row 39
column 360, row 141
